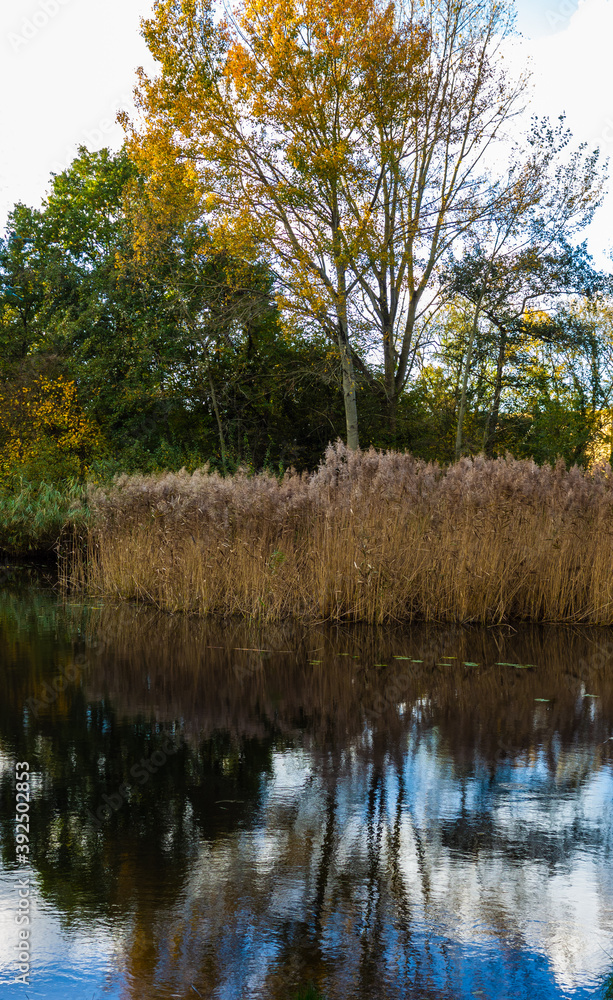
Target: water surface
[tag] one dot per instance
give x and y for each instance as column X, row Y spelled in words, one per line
column 237, row 812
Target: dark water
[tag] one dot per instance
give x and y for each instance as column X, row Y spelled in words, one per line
column 234, row 812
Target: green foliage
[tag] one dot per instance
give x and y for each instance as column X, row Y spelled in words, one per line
column 161, row 353
column 155, row 331
column 555, row 430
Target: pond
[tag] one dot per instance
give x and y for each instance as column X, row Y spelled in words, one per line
column 234, row 812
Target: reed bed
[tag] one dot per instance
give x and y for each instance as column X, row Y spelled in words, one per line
column 370, row 536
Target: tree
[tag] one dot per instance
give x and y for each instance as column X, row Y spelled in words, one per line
column 520, row 254
column 429, row 135
column 522, row 286
column 270, row 108
column 21, row 288
column 355, row 144
column 567, row 386
column 207, row 294
column 176, row 350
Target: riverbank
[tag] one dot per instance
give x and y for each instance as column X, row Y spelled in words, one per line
column 371, row 537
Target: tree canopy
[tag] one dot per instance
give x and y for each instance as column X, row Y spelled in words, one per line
column 323, row 219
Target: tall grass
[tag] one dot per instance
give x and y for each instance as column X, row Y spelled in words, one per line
column 33, row 516
column 374, row 537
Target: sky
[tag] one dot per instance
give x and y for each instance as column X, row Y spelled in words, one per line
column 68, row 66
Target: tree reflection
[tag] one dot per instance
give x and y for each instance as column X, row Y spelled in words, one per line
column 334, row 813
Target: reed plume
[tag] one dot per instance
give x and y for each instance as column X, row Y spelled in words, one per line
column 370, row 536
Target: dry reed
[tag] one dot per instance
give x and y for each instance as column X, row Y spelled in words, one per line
column 370, row 536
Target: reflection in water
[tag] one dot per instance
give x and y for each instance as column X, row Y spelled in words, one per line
column 386, row 814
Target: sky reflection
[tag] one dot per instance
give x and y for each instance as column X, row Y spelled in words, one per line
column 451, row 839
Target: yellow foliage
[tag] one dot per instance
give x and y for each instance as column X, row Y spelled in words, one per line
column 281, row 128
column 43, row 429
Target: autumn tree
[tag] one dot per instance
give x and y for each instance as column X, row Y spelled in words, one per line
column 356, row 143
column 270, row 107
column 44, row 431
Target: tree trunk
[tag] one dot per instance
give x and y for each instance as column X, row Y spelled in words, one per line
column 392, row 418
column 467, row 361
column 349, row 393
column 390, row 380
column 492, row 420
column 222, row 442
column 349, row 389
